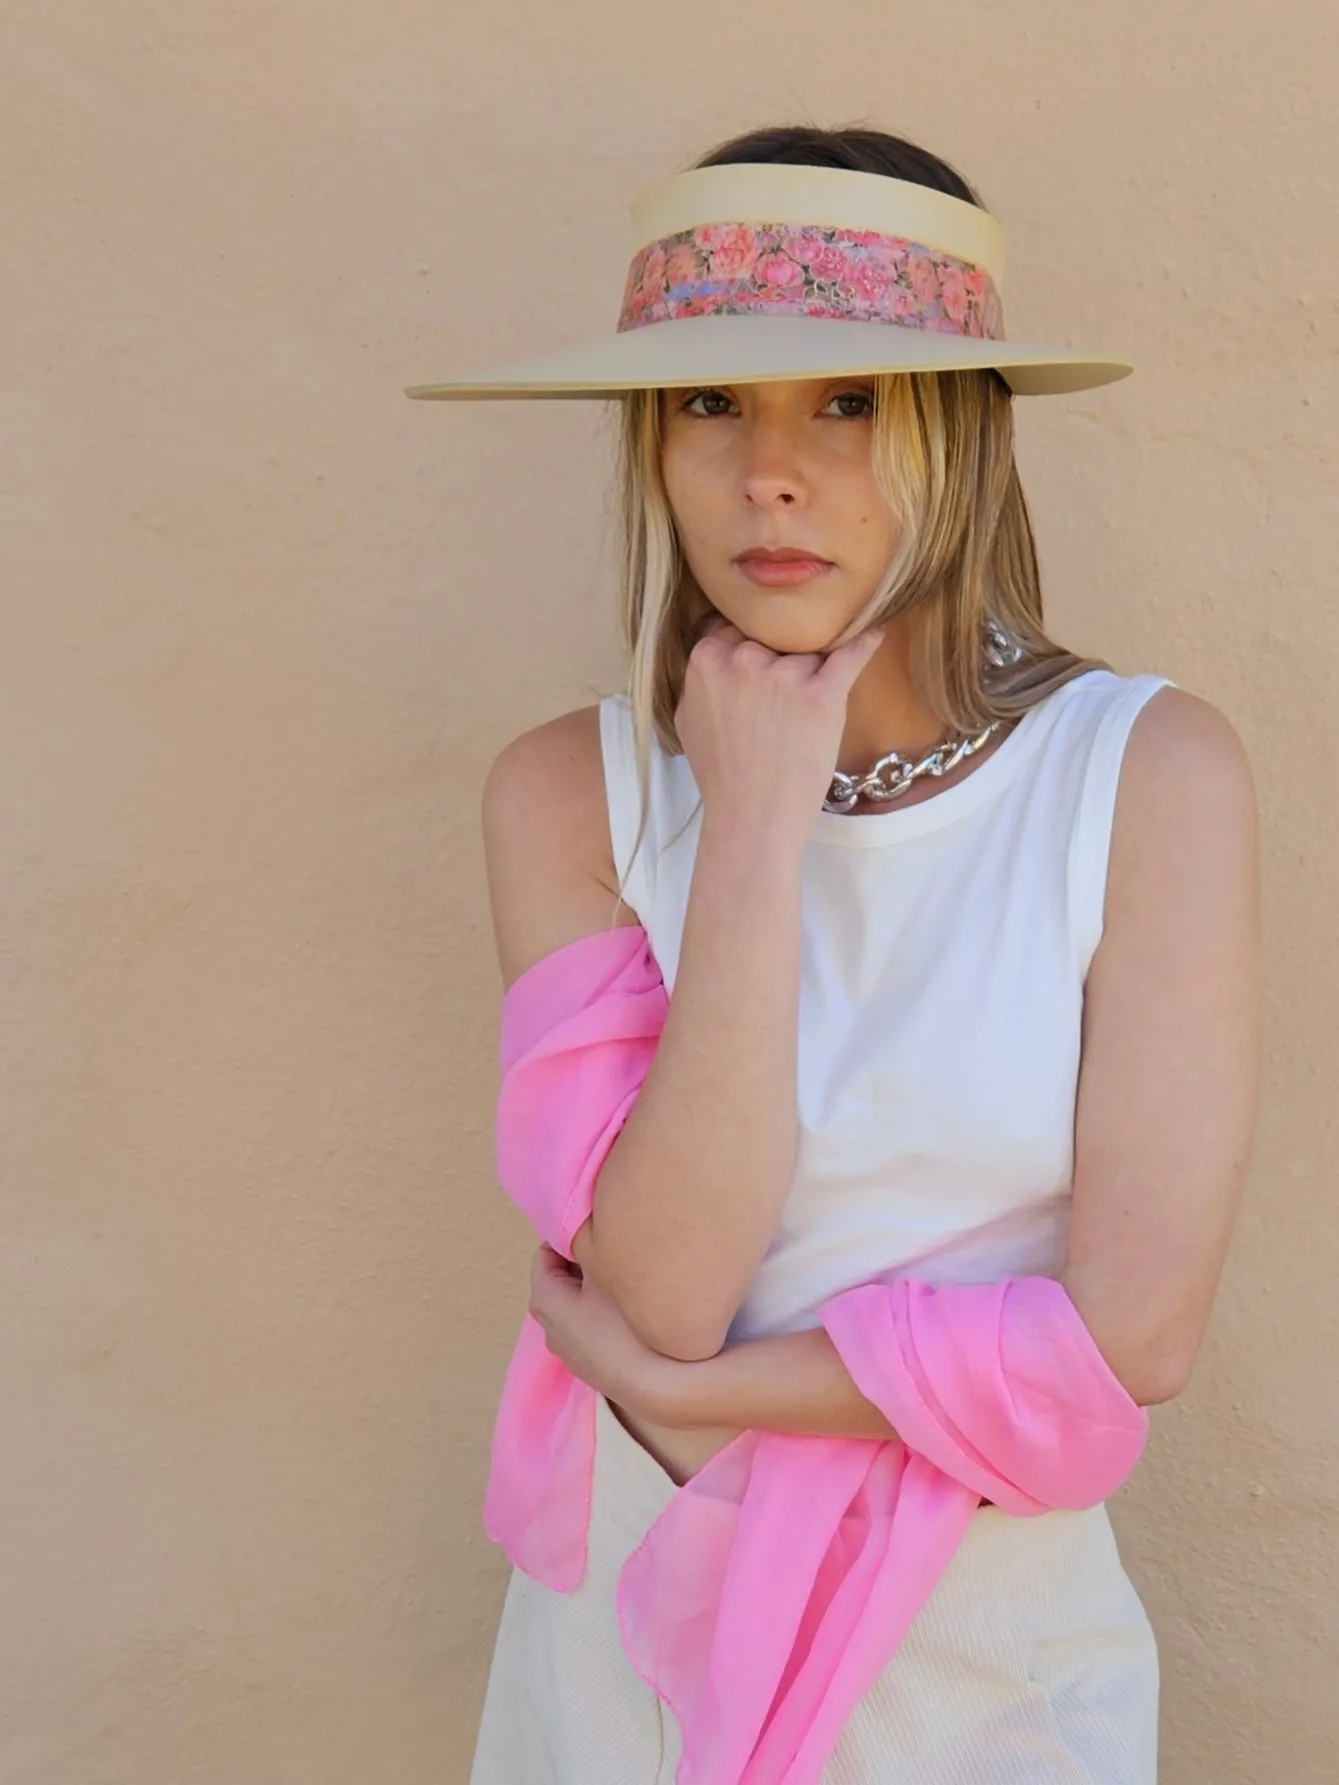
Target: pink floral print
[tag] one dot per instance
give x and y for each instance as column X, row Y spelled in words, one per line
column 809, row 270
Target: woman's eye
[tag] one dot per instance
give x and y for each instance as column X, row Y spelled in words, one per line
column 856, row 396
column 697, row 397
column 863, row 398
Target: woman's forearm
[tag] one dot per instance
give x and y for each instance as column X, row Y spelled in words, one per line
column 794, row 1382
column 689, row 1195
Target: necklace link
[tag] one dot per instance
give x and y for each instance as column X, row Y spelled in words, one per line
column 894, row 773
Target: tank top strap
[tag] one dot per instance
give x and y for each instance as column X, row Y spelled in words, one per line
column 623, row 800
column 659, row 875
column 1090, row 849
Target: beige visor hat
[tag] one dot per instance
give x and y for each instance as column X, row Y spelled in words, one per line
column 755, row 271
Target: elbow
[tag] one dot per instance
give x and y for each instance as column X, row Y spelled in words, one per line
column 675, row 1325
column 682, row 1345
column 1151, row 1371
column 676, row 1331
column 1160, row 1376
column 1152, row 1363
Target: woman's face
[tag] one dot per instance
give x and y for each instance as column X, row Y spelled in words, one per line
column 782, row 465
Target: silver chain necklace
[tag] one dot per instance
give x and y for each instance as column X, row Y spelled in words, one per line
column 892, row 774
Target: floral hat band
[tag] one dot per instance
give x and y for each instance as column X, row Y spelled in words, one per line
column 784, row 269
column 755, row 271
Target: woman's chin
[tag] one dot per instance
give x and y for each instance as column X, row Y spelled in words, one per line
column 791, row 641
column 784, row 621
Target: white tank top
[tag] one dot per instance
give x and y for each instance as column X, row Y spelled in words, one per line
column 944, row 951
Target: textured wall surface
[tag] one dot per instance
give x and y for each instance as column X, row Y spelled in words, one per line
column 267, row 623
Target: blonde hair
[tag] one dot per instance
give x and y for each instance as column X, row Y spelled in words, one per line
column 942, row 452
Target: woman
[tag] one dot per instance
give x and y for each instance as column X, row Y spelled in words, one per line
column 960, row 928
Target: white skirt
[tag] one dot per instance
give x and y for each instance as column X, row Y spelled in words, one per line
column 1031, row 1663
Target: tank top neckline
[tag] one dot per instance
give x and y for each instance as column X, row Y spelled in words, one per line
column 866, row 830
column 863, row 830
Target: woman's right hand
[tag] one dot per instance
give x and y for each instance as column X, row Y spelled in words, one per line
column 762, row 729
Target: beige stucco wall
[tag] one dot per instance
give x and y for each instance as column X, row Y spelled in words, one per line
column 267, row 623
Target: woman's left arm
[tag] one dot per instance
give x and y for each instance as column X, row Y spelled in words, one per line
column 1171, row 1048
column 1165, row 1114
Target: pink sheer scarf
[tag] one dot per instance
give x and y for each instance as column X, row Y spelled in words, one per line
column 779, row 1581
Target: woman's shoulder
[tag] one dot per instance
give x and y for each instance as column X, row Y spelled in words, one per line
column 1157, row 748
column 1186, row 757
column 1160, row 791
column 547, row 846
column 552, row 771
column 1186, row 796
column 1165, row 722
column 1179, row 735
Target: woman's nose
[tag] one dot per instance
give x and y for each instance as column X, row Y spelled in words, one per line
column 772, row 471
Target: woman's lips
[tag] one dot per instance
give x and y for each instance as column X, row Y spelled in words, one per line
column 782, row 573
